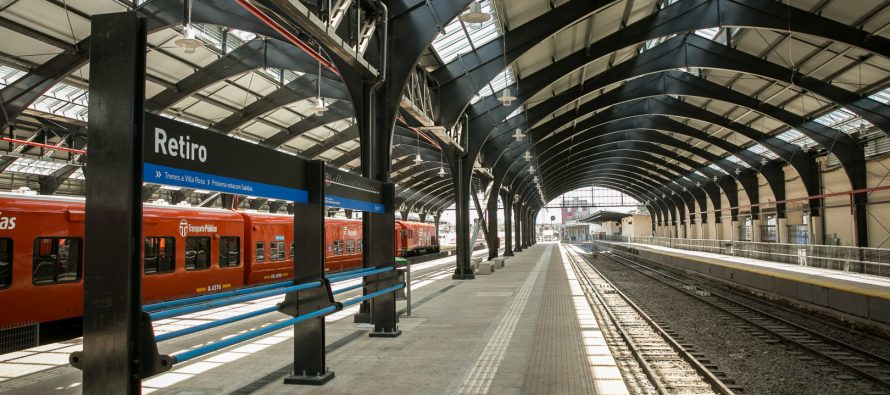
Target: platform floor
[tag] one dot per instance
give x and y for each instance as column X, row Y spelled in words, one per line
column 524, row 329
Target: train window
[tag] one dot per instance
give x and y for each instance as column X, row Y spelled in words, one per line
column 159, row 255
column 276, row 251
column 197, row 253
column 229, row 251
column 359, row 245
column 338, row 247
column 291, row 250
column 260, row 251
column 410, row 233
column 5, row 263
column 404, row 232
column 350, row 246
column 56, row 260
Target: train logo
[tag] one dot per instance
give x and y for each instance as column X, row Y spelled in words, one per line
column 183, row 228
column 7, row 223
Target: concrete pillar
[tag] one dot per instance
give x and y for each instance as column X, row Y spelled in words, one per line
column 692, row 232
column 782, row 230
column 681, row 230
column 755, row 231
column 703, row 230
column 816, row 236
column 734, row 228
column 718, row 230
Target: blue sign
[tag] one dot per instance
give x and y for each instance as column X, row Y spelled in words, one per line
column 352, row 204
column 158, row 174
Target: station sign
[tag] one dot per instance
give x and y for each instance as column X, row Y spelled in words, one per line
column 178, row 154
column 349, row 191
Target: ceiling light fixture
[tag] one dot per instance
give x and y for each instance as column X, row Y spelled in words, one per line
column 189, row 41
column 474, row 14
column 506, row 98
column 518, row 135
column 319, row 108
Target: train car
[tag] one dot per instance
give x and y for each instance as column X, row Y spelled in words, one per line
column 343, row 241
column 269, row 239
column 415, row 238
column 187, row 251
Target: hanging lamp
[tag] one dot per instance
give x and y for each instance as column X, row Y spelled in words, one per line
column 474, row 14
column 319, row 108
column 189, row 41
column 506, row 98
column 518, row 135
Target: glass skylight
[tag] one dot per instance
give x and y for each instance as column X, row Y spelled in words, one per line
column 460, row 38
column 882, row 96
column 794, row 136
column 844, row 120
column 501, row 81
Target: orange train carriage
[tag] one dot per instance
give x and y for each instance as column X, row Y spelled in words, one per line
column 187, row 251
column 415, row 238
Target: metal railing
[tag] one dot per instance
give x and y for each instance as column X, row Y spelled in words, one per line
column 873, row 261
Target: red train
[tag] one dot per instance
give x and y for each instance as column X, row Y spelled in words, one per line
column 187, row 251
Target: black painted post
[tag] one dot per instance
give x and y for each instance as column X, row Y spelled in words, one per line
column 517, row 213
column 309, row 248
column 492, row 211
column 508, row 223
column 383, row 308
column 113, row 235
column 463, row 172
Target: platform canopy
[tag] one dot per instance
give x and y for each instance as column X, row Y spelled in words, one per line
column 605, row 216
column 668, row 101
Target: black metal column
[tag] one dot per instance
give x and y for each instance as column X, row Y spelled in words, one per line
column 463, row 270
column 517, row 213
column 113, row 237
column 310, row 365
column 380, row 252
column 508, row 223
column 492, row 209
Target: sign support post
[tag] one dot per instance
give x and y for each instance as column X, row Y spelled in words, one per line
column 119, row 345
column 309, row 250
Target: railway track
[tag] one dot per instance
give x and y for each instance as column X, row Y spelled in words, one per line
column 859, row 363
column 666, row 364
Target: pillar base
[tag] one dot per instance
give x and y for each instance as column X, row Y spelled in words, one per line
column 395, row 333
column 361, row 318
column 508, row 253
column 463, row 273
column 309, row 380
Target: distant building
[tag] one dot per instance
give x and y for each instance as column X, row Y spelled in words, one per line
column 575, row 209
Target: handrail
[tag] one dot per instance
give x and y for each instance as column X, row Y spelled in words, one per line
column 355, row 300
column 203, row 350
column 362, row 274
column 203, row 298
column 214, row 324
column 230, row 301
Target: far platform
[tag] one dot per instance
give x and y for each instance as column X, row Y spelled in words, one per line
column 857, row 297
column 523, row 329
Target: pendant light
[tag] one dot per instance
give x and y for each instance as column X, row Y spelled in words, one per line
column 189, row 41
column 506, row 98
column 475, row 14
column 319, row 108
column 441, row 172
column 518, row 135
column 531, row 169
column 417, row 158
column 527, row 156
column 715, row 178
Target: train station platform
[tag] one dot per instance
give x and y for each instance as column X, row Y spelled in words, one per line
column 855, row 297
column 523, row 329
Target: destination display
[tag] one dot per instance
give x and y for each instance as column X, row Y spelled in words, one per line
column 178, row 154
column 349, row 191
